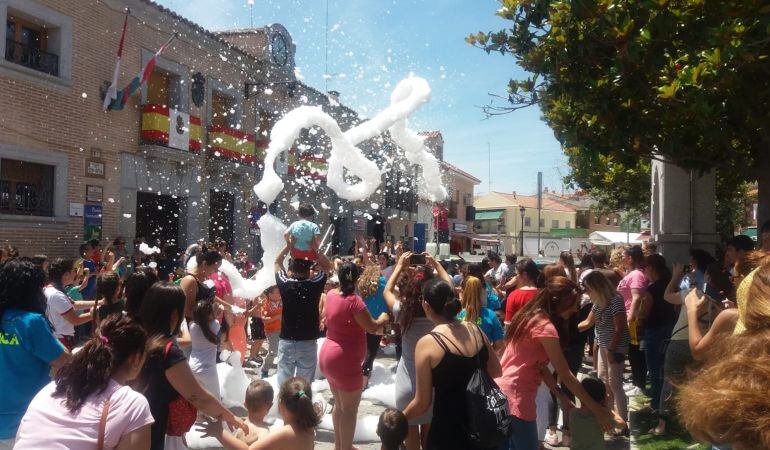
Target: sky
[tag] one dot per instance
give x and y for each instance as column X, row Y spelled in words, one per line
column 372, row 44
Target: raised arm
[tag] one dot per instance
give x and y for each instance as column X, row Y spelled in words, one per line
column 324, row 262
column 723, row 324
column 671, row 294
column 390, row 286
column 278, row 264
column 439, row 269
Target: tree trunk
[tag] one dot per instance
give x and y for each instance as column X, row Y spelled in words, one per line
column 763, row 194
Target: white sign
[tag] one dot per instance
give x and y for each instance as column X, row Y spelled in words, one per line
column 178, row 129
column 76, row 210
column 460, row 227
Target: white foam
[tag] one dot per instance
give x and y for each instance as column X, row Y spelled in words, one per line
column 366, row 428
column 409, row 95
column 147, row 250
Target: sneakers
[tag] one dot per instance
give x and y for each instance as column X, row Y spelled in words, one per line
column 635, row 391
column 551, row 438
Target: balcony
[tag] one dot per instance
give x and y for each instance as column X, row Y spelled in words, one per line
column 157, row 129
column 227, row 143
column 31, row 57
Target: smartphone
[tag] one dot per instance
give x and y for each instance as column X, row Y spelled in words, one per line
column 417, row 259
column 687, row 269
column 713, row 293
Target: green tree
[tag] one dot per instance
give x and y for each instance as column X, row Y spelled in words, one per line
column 686, row 81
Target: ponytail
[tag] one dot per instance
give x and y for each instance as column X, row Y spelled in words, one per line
column 296, row 395
column 89, row 371
column 348, row 275
column 441, row 298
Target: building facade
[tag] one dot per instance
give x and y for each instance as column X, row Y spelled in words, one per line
column 499, row 217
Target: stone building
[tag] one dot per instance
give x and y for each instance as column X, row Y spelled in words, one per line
column 175, row 165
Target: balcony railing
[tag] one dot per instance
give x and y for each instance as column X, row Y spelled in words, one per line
column 34, row 58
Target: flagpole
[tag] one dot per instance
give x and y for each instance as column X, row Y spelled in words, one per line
column 112, row 91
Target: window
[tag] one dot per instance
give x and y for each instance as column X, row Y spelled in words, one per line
column 223, row 110
column 26, row 188
column 164, row 89
column 26, row 45
column 400, row 193
column 527, row 222
column 554, row 224
column 567, row 224
column 597, row 219
column 608, row 220
column 615, row 220
column 542, row 223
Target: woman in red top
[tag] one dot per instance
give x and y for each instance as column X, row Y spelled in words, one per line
column 532, row 341
column 527, row 276
column 342, row 353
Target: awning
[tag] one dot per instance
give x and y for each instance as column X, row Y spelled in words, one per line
column 568, row 232
column 492, row 214
column 614, row 237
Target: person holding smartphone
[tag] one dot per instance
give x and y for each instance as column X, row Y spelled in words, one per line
column 713, row 305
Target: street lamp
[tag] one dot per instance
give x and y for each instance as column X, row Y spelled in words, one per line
column 522, row 210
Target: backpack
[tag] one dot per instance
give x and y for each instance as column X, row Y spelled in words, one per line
column 489, row 419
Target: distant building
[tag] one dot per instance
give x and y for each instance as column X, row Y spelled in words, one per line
column 499, row 216
column 586, row 215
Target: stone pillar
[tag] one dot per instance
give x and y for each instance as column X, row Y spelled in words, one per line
column 682, row 211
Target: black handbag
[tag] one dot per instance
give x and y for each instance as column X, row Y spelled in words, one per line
column 489, row 419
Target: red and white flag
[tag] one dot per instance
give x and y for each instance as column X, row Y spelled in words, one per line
column 112, row 92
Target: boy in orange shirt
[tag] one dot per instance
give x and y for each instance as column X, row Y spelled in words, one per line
column 272, row 308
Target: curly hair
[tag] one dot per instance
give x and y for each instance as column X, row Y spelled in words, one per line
column 410, row 284
column 21, row 287
column 89, row 371
column 369, row 281
column 726, row 401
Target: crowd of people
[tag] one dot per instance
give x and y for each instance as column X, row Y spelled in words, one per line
column 120, row 351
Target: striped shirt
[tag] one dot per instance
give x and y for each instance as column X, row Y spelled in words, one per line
column 605, row 327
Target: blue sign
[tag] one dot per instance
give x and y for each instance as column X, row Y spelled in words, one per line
column 419, row 235
column 92, row 215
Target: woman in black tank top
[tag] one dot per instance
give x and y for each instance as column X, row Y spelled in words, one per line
column 446, row 360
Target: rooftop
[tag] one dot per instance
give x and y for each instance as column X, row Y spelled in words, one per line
column 529, row 201
column 453, row 168
column 431, row 134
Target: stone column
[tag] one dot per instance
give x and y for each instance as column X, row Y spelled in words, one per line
column 682, row 211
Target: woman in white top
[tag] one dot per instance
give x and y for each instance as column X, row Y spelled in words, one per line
column 89, row 405
column 61, row 311
column 204, row 331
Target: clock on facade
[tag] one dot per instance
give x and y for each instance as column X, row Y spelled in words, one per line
column 279, row 50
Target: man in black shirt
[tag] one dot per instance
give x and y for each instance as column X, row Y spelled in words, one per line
column 301, row 294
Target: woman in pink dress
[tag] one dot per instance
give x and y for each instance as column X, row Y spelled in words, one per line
column 347, row 322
